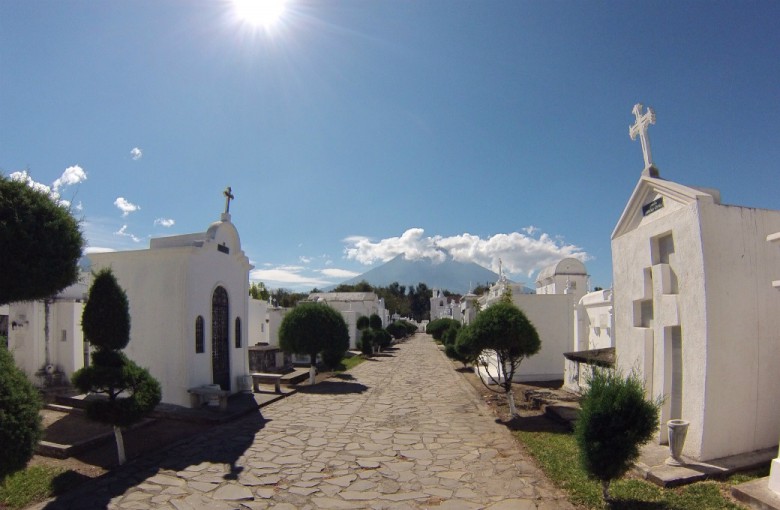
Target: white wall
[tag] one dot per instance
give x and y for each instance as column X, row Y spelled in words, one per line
column 593, row 328
column 714, row 290
column 167, row 289
column 257, row 325
column 743, row 330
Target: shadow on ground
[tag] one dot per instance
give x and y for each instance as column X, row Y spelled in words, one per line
column 534, row 423
column 334, row 388
column 632, row 504
column 221, row 445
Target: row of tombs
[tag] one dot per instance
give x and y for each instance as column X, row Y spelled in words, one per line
column 693, row 311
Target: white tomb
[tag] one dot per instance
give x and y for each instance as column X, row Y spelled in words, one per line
column 188, row 299
column 45, row 337
column 594, row 345
column 551, row 312
column 774, row 473
column 351, row 305
column 444, row 307
column 694, row 315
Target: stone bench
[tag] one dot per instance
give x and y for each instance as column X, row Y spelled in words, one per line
column 260, row 377
column 202, row 394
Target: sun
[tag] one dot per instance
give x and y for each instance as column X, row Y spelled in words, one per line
column 259, row 12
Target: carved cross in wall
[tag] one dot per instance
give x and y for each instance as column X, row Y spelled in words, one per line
column 640, row 128
column 228, row 197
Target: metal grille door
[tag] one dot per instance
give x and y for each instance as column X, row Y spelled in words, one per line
column 220, row 344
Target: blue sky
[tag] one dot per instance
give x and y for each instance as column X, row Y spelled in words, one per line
column 351, row 131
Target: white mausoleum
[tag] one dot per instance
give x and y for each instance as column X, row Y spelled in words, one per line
column 45, row 337
column 443, row 307
column 551, row 312
column 594, row 345
column 352, row 305
column 188, row 299
column 694, row 314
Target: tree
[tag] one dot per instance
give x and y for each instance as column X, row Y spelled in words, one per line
column 465, row 349
column 615, row 421
column 41, row 244
column 130, row 391
column 420, row 301
column 363, row 322
column 437, row 328
column 314, row 328
column 367, row 341
column 505, row 330
column 258, row 291
column 375, row 321
column 20, row 423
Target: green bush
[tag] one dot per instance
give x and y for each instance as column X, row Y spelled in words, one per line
column 20, row 423
column 436, row 328
column 382, row 339
column 313, row 328
column 375, row 321
column 450, row 334
column 367, row 342
column 614, row 421
column 130, row 390
column 363, row 322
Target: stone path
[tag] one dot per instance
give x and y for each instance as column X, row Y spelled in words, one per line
column 403, row 431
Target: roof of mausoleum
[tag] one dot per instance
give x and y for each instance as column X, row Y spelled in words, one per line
column 567, row 266
column 342, row 296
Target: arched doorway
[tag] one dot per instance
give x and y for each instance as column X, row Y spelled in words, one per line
column 220, row 344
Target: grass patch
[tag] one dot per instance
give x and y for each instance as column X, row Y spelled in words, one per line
column 30, row 485
column 349, row 363
column 558, row 456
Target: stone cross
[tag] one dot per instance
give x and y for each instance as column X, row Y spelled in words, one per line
column 228, row 197
column 640, row 128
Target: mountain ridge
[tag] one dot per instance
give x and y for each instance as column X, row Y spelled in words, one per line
column 457, row 277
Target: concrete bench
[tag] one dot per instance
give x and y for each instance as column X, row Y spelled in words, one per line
column 202, row 394
column 259, row 377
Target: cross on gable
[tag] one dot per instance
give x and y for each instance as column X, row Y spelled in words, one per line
column 640, row 129
column 228, row 197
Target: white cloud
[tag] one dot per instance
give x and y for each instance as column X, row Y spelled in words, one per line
column 338, row 273
column 97, row 249
column 304, row 260
column 122, row 232
column 411, row 244
column 287, row 277
column 125, row 206
column 72, row 175
column 164, row 222
column 24, row 177
column 520, row 253
column 136, row 154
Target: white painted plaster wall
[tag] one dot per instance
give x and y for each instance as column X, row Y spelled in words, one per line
column 593, row 328
column 551, row 316
column 257, row 326
column 714, row 289
column 167, row 288
column 743, row 335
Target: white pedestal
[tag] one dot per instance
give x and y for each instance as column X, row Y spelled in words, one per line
column 774, row 476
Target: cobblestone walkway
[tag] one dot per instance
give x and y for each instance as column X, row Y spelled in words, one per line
column 403, row 431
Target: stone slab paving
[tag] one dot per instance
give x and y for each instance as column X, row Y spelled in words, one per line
column 402, row 431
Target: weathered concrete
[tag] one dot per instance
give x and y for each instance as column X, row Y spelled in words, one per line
column 399, row 431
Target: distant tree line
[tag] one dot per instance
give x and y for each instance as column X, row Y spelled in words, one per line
column 412, row 301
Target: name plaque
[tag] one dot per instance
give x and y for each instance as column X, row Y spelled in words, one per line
column 653, row 206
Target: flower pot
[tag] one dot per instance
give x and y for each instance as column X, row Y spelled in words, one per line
column 678, row 429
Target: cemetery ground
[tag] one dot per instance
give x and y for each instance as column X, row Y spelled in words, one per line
column 548, row 441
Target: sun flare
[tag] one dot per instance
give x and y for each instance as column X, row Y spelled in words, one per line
column 259, row 12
